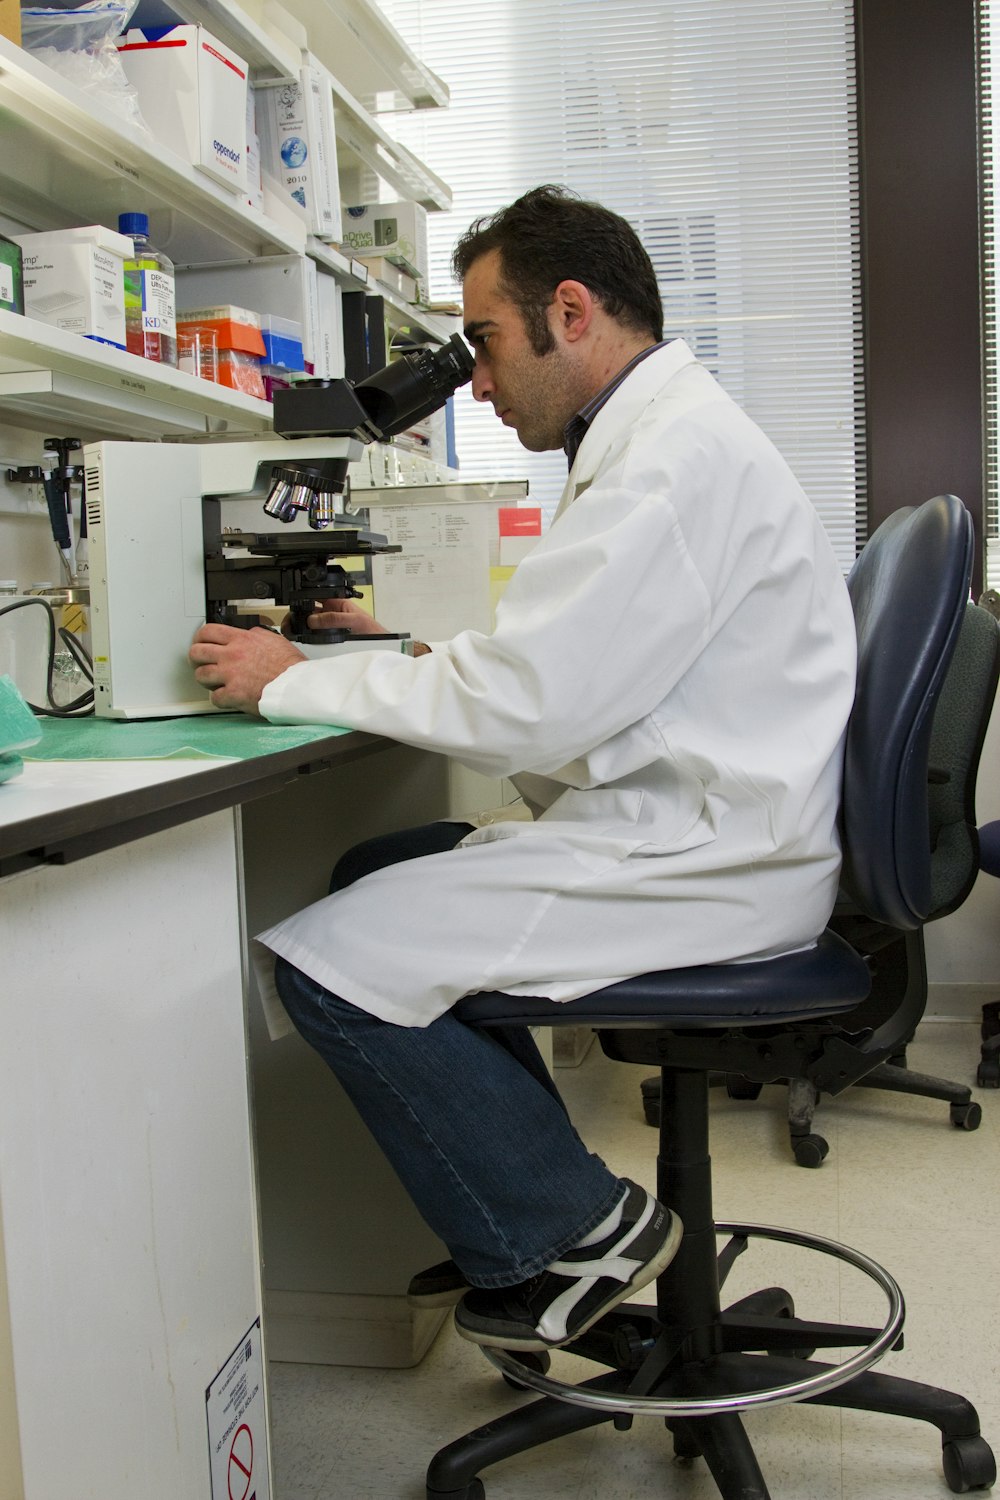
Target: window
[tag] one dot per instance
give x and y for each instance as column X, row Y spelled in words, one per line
column 724, row 131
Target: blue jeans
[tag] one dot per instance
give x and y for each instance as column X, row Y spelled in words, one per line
column 470, row 1120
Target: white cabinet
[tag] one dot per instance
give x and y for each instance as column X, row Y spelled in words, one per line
column 129, row 1214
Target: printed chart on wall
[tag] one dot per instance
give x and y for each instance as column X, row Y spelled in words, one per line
column 237, row 1424
column 439, row 583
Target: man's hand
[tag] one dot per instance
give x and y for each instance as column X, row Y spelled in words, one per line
column 343, row 614
column 238, row 664
column 347, row 614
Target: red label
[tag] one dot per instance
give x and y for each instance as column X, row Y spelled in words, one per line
column 520, row 520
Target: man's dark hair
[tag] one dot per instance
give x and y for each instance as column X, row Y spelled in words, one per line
column 551, row 235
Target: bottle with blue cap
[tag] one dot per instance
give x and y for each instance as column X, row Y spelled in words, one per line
column 150, row 303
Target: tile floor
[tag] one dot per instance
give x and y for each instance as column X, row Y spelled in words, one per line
column 900, row 1183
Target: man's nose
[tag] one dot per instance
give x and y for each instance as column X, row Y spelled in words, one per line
column 482, row 382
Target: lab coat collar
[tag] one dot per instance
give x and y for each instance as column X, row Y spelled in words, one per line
column 623, row 407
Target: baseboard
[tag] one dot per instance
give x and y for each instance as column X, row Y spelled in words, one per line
column 330, row 1328
column 958, row 1002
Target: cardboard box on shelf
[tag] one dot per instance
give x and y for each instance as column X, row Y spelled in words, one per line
column 381, row 269
column 74, row 279
column 193, row 96
column 396, row 231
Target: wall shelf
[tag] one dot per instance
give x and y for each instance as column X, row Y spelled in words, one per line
column 362, row 140
column 49, row 378
column 264, row 51
column 67, row 159
column 356, row 41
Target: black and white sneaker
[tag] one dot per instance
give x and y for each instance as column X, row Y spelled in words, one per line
column 439, row 1286
column 570, row 1295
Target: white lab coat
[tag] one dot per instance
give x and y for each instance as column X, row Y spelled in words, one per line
column 667, row 685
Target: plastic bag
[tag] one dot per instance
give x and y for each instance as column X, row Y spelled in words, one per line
column 79, row 44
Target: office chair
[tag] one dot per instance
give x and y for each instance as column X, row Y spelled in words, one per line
column 686, row 1360
column 899, row 968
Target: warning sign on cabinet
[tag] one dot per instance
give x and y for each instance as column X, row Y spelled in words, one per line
column 237, row 1424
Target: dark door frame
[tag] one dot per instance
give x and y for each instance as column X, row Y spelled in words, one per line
column 920, row 255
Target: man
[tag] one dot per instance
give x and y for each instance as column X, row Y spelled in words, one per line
column 667, row 684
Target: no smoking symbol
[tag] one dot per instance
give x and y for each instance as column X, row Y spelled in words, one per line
column 240, row 1463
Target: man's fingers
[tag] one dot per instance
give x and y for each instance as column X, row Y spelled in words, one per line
column 201, row 653
column 217, row 635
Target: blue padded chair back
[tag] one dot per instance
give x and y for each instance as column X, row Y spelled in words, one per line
column 909, row 588
column 960, row 722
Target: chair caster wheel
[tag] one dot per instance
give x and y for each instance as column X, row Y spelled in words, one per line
column 532, row 1359
column 474, row 1491
column 738, row 1087
column 968, row 1464
column 810, row 1150
column 686, row 1448
column 966, row 1116
column 988, row 1073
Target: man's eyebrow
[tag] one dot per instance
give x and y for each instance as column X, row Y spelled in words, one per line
column 472, row 330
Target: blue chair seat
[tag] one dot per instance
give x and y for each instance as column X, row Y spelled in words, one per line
column 818, row 982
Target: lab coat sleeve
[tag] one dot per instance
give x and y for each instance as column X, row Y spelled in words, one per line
column 597, row 624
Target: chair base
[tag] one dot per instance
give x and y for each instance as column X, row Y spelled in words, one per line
column 721, row 1440
column 719, row 1437
column 810, row 1149
column 686, row 1349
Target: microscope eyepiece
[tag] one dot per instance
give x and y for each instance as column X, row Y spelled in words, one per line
column 386, row 403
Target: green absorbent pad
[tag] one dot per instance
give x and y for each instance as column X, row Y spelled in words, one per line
column 209, row 736
column 18, row 728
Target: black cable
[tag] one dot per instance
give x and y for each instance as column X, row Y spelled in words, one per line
column 80, row 707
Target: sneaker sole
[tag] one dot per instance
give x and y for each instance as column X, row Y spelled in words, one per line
column 516, row 1339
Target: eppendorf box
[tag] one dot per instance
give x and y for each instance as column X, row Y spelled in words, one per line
column 193, row 96
column 75, row 280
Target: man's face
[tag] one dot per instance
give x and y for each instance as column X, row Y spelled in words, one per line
column 536, row 394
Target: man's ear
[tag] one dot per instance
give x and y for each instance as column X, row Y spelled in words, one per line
column 572, row 308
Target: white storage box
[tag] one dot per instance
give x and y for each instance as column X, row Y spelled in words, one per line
column 397, row 231
column 74, row 279
column 193, row 96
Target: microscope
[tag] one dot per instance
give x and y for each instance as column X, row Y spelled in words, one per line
column 176, row 538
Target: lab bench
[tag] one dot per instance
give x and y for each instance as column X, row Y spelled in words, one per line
column 170, row 1178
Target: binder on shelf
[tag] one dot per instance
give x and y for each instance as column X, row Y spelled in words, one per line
column 330, row 355
column 321, row 107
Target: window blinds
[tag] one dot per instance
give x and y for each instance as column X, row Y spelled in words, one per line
column 724, row 131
